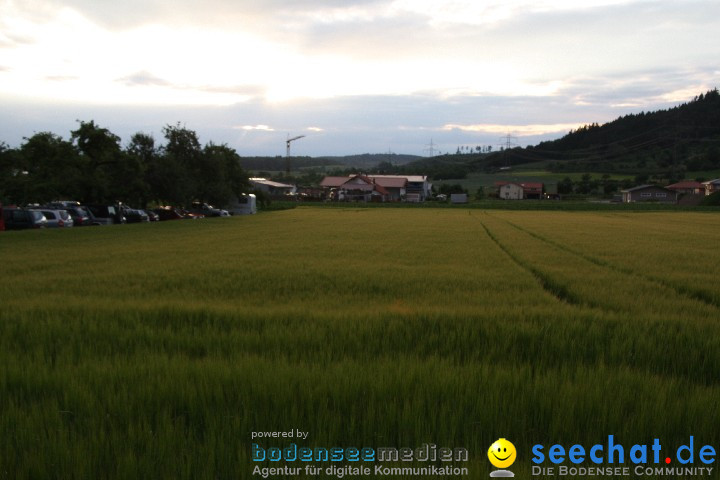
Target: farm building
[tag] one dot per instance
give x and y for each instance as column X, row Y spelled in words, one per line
column 417, row 186
column 649, row 193
column 711, row 186
column 510, row 191
column 385, row 187
column 687, row 187
column 356, row 188
column 272, row 188
column 527, row 190
column 396, row 187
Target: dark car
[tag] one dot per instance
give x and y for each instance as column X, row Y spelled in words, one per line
column 152, row 216
column 106, row 214
column 206, row 210
column 81, row 217
column 168, row 214
column 189, row 215
column 133, row 215
column 22, row 219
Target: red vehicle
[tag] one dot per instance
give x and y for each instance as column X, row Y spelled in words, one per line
column 168, row 214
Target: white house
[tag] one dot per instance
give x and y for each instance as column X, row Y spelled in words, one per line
column 511, row 191
column 712, row 186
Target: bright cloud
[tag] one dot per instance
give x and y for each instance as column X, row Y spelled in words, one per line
column 389, row 68
column 263, row 128
column 520, row 130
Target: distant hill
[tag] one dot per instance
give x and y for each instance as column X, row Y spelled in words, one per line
column 686, row 137
column 364, row 161
column 669, row 142
column 278, row 164
column 367, row 160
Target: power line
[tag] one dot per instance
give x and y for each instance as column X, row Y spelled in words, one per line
column 430, row 148
column 508, row 141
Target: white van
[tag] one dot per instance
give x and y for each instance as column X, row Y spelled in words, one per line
column 245, row 204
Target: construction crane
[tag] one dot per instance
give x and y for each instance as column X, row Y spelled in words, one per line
column 287, row 151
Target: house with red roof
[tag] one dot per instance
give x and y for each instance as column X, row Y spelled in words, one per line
column 355, row 188
column 649, row 193
column 687, row 187
column 385, row 187
column 519, row 190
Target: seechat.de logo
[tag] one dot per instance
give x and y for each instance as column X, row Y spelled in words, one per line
column 502, row 454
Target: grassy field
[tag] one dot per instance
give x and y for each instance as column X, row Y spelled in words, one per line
column 534, row 173
column 153, row 351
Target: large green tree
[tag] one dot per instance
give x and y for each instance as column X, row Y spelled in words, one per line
column 46, row 168
column 220, row 177
column 92, row 167
column 178, row 167
column 101, row 157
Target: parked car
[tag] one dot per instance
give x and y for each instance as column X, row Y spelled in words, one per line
column 133, row 215
column 207, row 210
column 190, row 215
column 56, row 218
column 80, row 215
column 22, row 219
column 106, row 214
column 152, row 216
column 168, row 214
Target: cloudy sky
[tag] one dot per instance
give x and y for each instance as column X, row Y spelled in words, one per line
column 353, row 76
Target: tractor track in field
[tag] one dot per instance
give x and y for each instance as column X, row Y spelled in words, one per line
column 550, row 285
column 682, row 290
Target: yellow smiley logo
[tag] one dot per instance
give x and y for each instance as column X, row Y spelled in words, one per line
column 502, row 453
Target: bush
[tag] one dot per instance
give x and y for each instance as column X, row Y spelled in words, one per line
column 711, row 200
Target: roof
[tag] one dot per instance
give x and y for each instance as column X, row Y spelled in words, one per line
column 391, row 182
column 644, row 187
column 333, row 181
column 380, row 189
column 410, row 178
column 523, row 185
column 685, row 184
column 269, row 183
column 387, row 181
column 716, row 181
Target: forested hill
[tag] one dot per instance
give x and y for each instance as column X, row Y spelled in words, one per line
column 365, row 160
column 686, row 137
column 669, row 143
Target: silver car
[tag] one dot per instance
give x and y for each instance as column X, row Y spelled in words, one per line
column 56, row 218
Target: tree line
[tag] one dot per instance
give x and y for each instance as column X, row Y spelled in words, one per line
column 92, row 166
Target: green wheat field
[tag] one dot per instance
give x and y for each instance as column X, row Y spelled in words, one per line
column 153, row 351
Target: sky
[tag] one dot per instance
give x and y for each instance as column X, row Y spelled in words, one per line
column 352, row 76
